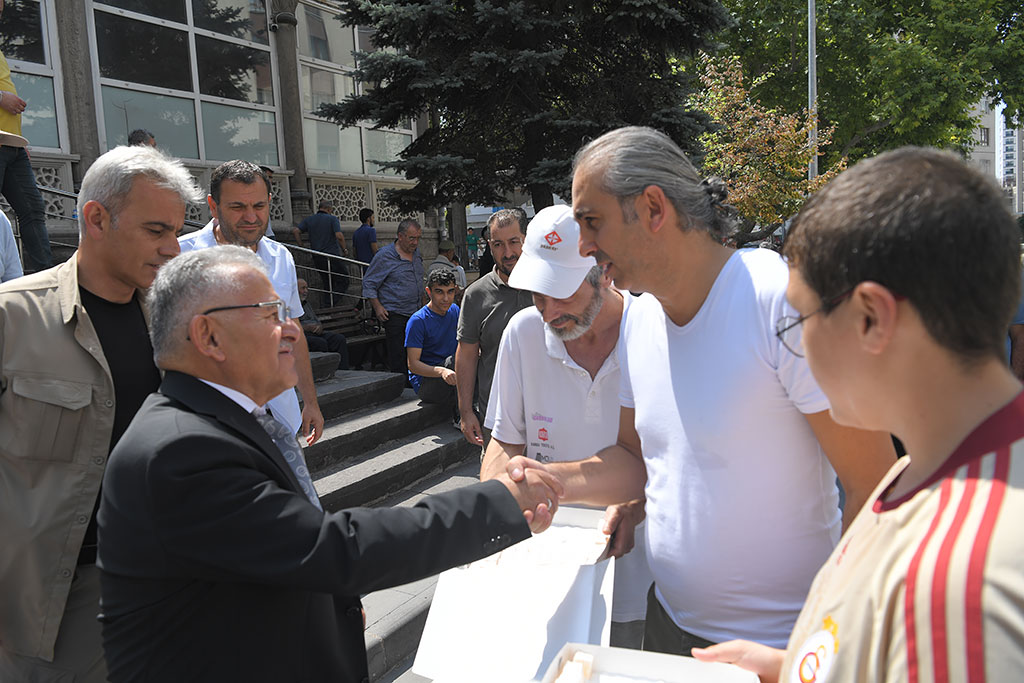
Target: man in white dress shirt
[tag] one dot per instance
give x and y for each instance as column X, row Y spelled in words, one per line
column 240, row 201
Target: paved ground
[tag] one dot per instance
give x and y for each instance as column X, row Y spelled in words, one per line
column 395, row 616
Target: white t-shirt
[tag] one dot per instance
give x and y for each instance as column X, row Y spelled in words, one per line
column 281, row 266
column 742, row 506
column 542, row 398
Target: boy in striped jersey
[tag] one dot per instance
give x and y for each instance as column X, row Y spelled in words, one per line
column 905, row 271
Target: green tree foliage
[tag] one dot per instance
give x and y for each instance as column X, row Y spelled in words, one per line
column 889, row 73
column 762, row 153
column 512, row 88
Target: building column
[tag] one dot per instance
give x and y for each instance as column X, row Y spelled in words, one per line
column 77, row 80
column 286, row 40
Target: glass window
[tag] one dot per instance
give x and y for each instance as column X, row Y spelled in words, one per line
column 382, row 145
column 320, row 86
column 39, row 121
column 140, row 52
column 322, row 36
column 236, row 133
column 245, row 19
column 329, row 148
column 172, row 120
column 234, row 71
column 21, row 26
column 173, row 10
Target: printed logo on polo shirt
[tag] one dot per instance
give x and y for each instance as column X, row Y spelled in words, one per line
column 816, row 655
column 542, row 434
column 552, row 238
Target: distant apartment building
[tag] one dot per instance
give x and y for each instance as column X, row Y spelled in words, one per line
column 1012, row 167
column 983, row 152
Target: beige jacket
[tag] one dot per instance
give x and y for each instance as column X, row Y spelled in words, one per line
column 56, row 417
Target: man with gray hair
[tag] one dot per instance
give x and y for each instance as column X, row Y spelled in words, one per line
column 217, row 560
column 394, row 285
column 75, row 365
column 721, row 427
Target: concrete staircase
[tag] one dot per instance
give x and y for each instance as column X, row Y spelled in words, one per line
column 382, row 447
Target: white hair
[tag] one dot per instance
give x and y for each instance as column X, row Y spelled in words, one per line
column 110, row 178
column 183, row 287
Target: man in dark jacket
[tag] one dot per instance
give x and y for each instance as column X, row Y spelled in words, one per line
column 217, row 561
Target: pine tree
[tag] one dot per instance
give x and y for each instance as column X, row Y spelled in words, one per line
column 512, row 89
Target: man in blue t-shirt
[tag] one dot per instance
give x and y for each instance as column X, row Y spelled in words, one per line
column 364, row 239
column 325, row 236
column 430, row 341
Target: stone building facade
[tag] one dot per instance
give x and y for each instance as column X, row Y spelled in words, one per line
column 213, row 80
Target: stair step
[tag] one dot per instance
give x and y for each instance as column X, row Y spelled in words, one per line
column 324, row 364
column 395, row 617
column 350, row 390
column 371, row 427
column 393, row 467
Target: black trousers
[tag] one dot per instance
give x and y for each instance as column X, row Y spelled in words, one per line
column 335, row 279
column 333, row 342
column 662, row 635
column 394, row 339
column 436, row 390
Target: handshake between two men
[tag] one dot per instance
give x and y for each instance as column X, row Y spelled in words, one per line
column 208, row 509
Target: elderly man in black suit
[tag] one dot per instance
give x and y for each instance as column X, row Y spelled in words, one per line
column 217, row 562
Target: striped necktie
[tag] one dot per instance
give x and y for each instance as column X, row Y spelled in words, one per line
column 289, row 447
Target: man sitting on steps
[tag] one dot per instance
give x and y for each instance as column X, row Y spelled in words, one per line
column 313, row 329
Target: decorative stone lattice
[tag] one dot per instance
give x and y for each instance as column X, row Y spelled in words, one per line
column 197, row 213
column 278, row 200
column 347, row 198
column 55, row 205
column 385, row 212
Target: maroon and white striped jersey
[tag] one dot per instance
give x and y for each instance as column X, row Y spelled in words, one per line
column 928, row 586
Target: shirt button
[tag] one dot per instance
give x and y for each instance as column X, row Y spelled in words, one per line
column 82, row 519
column 98, row 460
column 65, row 573
column 108, row 403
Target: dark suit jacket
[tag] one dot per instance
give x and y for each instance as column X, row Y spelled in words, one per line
column 215, row 566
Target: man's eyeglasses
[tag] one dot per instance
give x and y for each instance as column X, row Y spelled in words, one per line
column 788, row 328
column 282, row 310
column 514, row 242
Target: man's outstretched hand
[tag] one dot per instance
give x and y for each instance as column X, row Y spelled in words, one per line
column 764, row 661
column 537, row 493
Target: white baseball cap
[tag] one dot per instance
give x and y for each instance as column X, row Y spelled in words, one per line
column 551, row 263
column 12, row 139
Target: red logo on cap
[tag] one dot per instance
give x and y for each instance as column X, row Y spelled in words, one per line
column 552, row 238
column 542, row 433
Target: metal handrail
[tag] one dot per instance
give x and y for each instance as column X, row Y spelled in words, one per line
column 362, row 265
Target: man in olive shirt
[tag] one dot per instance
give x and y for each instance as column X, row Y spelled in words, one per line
column 75, row 365
column 488, row 305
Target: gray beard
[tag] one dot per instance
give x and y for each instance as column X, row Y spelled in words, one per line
column 583, row 322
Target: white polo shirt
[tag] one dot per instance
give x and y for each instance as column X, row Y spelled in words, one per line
column 542, row 398
column 281, row 267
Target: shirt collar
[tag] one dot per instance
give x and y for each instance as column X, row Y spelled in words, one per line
column 246, row 403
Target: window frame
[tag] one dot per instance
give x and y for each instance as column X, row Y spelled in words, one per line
column 195, row 95
column 51, row 69
column 347, row 72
